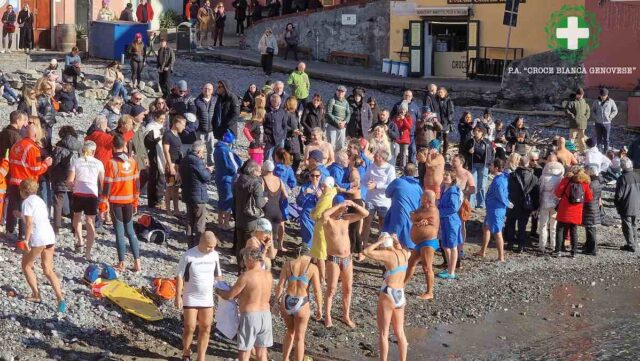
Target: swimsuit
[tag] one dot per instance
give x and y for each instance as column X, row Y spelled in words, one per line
column 293, row 304
column 271, row 209
column 396, row 294
column 342, row 262
column 433, row 243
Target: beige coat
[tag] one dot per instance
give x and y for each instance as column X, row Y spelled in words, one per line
column 110, row 77
column 205, row 18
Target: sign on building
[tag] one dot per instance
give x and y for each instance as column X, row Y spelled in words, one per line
column 478, row 1
column 443, row 11
column 348, row 19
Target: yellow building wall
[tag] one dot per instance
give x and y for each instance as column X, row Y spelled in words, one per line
column 528, row 34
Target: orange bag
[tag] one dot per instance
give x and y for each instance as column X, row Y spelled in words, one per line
column 56, row 104
column 465, row 210
column 165, row 288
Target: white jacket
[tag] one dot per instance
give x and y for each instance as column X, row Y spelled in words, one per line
column 268, row 42
column 382, row 177
column 551, row 177
column 593, row 156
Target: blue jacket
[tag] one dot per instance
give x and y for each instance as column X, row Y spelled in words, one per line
column 339, row 173
column 226, row 161
column 286, row 175
column 195, row 177
column 69, row 60
column 405, row 193
column 450, row 202
column 276, row 126
column 324, row 172
column 498, row 193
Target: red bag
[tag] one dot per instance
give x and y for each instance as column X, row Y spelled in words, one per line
column 9, row 28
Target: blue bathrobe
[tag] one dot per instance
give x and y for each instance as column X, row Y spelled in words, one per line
column 307, row 203
column 450, row 222
column 497, row 202
column 405, row 194
column 288, row 177
column 340, row 174
column 227, row 163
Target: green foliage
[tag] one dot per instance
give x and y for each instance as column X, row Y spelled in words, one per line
column 81, row 32
column 169, row 19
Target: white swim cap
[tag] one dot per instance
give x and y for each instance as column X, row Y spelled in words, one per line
column 388, row 240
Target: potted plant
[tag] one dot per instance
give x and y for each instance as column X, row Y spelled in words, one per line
column 82, row 41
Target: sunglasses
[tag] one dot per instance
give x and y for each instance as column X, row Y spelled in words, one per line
column 315, row 176
column 137, row 99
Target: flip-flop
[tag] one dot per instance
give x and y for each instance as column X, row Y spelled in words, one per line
column 62, row 307
column 34, row 299
column 452, row 277
column 444, row 275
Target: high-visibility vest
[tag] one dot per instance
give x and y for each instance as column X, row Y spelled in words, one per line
column 121, row 181
column 25, row 162
column 4, row 169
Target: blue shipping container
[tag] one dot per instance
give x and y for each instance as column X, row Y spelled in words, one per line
column 109, row 40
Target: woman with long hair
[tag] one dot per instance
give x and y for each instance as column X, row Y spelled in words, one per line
column 391, row 298
column 40, row 241
column 8, row 28
column 25, row 23
column 293, row 142
column 312, row 115
column 28, row 101
column 114, row 80
column 378, row 140
column 292, row 290
column 45, row 106
column 137, row 54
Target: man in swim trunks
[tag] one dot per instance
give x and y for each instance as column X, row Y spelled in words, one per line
column 253, row 290
column 434, row 168
column 198, row 270
column 424, row 233
column 336, row 222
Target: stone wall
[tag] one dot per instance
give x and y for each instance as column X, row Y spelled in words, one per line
column 369, row 35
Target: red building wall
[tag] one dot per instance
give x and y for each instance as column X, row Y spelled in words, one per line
column 619, row 43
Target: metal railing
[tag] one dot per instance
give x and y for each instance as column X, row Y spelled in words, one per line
column 489, row 63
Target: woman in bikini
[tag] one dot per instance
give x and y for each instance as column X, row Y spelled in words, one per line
column 275, row 191
column 293, row 292
column 391, row 299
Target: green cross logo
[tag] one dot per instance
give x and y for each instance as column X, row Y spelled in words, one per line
column 573, row 32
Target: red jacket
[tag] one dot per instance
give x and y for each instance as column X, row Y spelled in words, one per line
column 569, row 212
column 149, row 12
column 25, row 161
column 404, row 127
column 104, row 145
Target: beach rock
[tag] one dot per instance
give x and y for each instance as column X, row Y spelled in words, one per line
column 575, row 314
column 96, row 94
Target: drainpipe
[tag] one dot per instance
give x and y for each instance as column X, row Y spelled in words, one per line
column 53, row 24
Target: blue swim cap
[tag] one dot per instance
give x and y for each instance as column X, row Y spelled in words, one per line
column 229, row 137
column 339, row 199
column 434, row 144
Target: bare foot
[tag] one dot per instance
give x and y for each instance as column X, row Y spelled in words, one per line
column 137, row 267
column 426, row 296
column 34, row 298
column 120, row 267
column 348, row 322
column 479, row 254
column 360, row 257
column 328, row 323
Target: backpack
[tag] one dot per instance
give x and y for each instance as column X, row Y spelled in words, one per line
column 576, row 193
column 149, row 229
column 165, row 288
column 95, row 271
column 527, row 201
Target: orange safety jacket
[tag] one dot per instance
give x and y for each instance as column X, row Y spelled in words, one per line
column 121, row 180
column 4, row 170
column 25, row 161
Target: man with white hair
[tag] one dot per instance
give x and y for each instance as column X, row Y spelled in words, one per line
column 299, row 83
column 86, row 176
column 627, row 202
column 377, row 178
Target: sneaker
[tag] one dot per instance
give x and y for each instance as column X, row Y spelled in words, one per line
column 627, row 248
column 444, row 275
column 1, row 51
column 556, row 254
column 62, row 307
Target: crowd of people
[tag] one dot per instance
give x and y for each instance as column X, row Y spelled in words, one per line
column 358, row 179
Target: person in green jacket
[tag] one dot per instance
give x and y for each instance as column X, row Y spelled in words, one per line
column 578, row 111
column 338, row 114
column 299, row 83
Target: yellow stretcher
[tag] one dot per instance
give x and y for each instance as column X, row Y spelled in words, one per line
column 131, row 301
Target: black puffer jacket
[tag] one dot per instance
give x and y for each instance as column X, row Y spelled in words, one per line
column 522, row 182
column 361, row 119
column 591, row 210
column 64, row 153
column 228, row 108
column 180, row 104
column 445, row 111
column 312, row 117
column 46, row 113
column 204, row 113
column 292, row 143
column 276, row 126
column 246, row 187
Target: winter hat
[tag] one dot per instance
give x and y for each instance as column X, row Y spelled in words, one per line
column 316, row 155
column 268, row 166
column 53, row 62
column 138, row 36
column 434, row 144
column 339, row 199
column 388, row 240
column 263, row 225
column 604, row 92
column 329, row 182
column 358, row 91
column 182, row 85
column 190, row 117
column 591, row 142
column 341, row 88
column 553, row 168
column 229, row 137
column 137, row 110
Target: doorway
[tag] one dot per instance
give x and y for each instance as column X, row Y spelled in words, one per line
column 42, row 22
